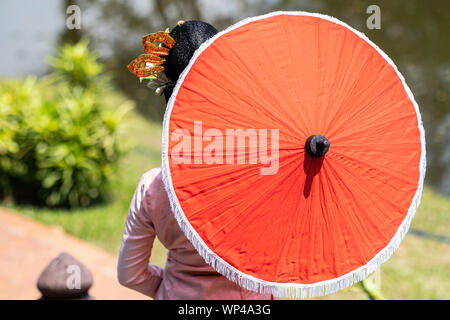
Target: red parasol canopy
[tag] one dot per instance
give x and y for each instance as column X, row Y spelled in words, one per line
column 293, row 154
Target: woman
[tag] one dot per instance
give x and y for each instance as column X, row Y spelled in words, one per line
column 186, row 275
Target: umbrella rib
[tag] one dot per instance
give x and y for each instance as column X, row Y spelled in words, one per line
column 208, row 178
column 333, row 225
column 236, row 181
column 205, row 110
column 321, row 108
column 292, row 122
column 235, row 97
column 263, row 125
column 316, row 120
column 362, row 111
column 294, row 92
column 376, row 124
column 255, row 200
column 274, row 97
column 369, row 165
column 337, row 104
column 349, row 95
column 368, row 196
column 346, row 215
column 288, row 232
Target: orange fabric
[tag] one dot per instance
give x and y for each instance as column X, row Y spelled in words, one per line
column 316, row 219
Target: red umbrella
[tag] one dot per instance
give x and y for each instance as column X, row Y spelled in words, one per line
column 293, row 154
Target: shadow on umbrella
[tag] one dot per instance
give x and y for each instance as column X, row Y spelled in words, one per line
column 311, row 166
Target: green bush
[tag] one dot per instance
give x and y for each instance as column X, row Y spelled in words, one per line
column 60, row 136
column 78, row 66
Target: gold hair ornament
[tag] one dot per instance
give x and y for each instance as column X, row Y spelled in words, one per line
column 150, row 65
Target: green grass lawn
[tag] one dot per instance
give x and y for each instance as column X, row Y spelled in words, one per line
column 420, row 269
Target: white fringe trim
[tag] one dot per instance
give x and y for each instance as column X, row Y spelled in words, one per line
column 289, row 290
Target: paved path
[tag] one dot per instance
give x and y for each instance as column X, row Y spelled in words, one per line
column 26, row 248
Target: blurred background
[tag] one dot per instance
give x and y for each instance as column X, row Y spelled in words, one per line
column 77, row 129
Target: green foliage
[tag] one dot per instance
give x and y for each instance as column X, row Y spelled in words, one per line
column 59, row 137
column 77, row 65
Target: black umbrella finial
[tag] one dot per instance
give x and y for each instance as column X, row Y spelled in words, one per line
column 317, row 146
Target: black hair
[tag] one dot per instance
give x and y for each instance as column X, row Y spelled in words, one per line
column 188, row 37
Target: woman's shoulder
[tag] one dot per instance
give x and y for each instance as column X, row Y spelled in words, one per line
column 151, row 176
column 150, row 180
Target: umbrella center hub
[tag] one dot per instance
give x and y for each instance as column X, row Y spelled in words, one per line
column 317, row 146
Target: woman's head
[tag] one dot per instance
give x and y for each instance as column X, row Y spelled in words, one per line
column 188, row 35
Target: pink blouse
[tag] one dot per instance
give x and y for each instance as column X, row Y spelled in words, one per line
column 186, row 275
